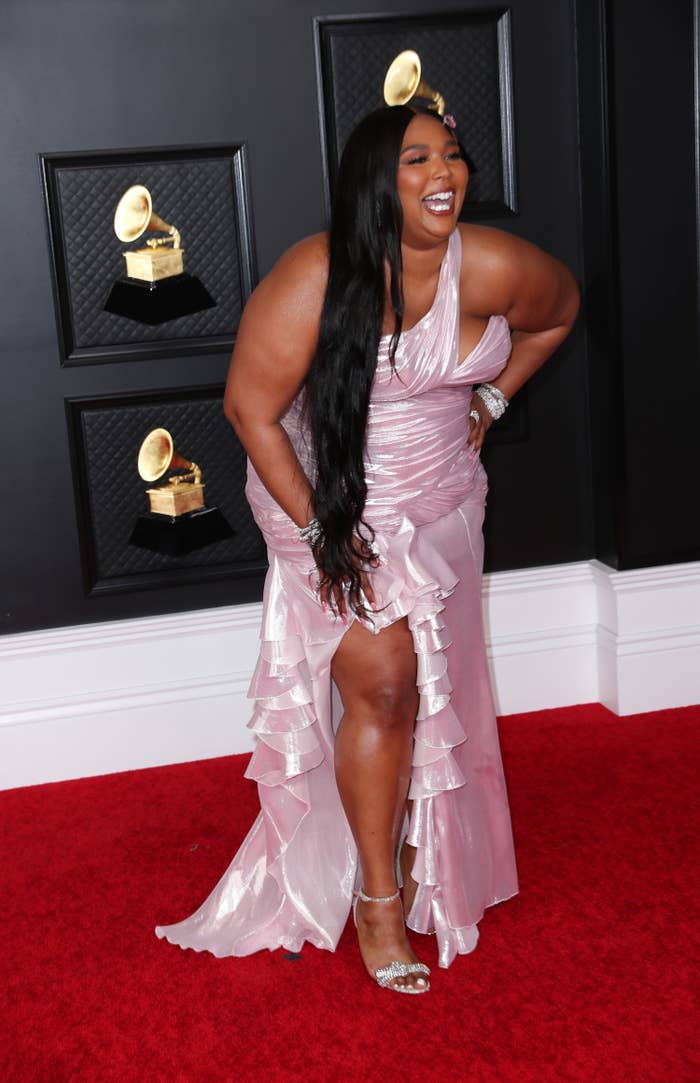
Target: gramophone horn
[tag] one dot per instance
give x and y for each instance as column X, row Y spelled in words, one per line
column 155, row 455
column 135, row 214
column 403, row 82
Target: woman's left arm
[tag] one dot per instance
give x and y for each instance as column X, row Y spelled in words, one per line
column 539, row 297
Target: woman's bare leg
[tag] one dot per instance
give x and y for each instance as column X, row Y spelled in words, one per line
column 407, row 857
column 376, row 678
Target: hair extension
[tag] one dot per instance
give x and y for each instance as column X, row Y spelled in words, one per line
column 364, row 239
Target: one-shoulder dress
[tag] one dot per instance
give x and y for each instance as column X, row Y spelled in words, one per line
column 293, row 877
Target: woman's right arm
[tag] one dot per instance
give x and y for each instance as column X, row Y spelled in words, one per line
column 274, row 349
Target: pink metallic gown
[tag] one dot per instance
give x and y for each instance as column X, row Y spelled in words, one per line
column 293, row 877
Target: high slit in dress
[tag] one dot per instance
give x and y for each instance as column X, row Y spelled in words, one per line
column 293, row 877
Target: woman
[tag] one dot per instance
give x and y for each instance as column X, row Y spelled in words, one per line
column 351, row 389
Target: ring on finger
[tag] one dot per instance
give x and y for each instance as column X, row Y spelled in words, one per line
column 474, row 415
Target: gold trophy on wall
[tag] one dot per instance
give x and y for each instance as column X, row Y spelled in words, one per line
column 178, row 521
column 155, row 287
column 403, row 81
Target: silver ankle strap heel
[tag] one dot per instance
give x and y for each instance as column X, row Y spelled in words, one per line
column 385, row 975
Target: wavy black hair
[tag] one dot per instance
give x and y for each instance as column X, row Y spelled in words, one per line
column 364, row 239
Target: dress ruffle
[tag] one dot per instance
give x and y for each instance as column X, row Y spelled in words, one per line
column 411, row 582
column 292, row 879
column 425, row 580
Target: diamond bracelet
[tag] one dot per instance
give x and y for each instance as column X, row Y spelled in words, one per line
column 312, row 533
column 493, row 399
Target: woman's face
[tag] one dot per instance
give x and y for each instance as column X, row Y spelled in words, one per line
column 431, row 181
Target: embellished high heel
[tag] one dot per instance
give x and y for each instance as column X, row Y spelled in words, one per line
column 385, row 975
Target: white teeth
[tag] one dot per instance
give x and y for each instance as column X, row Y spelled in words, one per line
column 440, row 202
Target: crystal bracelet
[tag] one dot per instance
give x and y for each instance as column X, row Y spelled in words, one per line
column 495, row 391
column 312, row 533
column 493, row 399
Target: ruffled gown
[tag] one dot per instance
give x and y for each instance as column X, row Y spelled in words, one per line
column 293, row 877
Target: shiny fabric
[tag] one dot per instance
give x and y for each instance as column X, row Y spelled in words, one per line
column 292, row 879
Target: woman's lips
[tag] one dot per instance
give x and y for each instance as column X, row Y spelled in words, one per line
column 440, row 203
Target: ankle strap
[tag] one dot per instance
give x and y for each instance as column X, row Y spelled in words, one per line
column 379, row 898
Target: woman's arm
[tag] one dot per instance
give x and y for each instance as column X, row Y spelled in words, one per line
column 274, row 349
column 536, row 293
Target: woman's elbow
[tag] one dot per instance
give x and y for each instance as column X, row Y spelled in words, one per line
column 231, row 411
column 239, row 418
column 247, row 423
column 572, row 301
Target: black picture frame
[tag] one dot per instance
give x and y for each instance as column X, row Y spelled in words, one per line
column 204, row 190
column 353, row 53
column 105, row 433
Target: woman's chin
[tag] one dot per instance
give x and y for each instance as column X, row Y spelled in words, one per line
column 437, row 225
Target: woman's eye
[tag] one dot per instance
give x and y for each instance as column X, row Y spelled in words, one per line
column 417, row 160
column 454, row 156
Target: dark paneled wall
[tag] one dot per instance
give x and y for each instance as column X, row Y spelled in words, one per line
column 639, row 184
column 78, row 77
column 655, row 201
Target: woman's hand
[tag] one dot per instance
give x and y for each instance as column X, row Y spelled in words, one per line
column 478, row 429
column 340, row 599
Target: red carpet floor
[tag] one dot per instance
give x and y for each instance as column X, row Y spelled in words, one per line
column 587, row 975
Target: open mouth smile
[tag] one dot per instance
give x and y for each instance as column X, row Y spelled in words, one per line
column 440, row 202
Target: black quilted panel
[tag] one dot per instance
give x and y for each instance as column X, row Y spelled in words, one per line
column 195, row 195
column 112, row 494
column 460, row 58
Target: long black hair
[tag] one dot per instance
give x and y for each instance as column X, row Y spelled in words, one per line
column 364, row 239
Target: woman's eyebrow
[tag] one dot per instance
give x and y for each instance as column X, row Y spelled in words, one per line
column 451, row 142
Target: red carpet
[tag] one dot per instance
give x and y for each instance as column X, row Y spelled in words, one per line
column 587, row 975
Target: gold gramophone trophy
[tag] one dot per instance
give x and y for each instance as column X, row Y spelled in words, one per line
column 178, row 520
column 403, row 82
column 155, row 287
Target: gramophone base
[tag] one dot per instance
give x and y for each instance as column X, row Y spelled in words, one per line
column 177, row 536
column 156, row 302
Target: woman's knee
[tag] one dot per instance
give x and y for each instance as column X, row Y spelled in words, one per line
column 376, row 676
column 395, row 703
column 388, row 703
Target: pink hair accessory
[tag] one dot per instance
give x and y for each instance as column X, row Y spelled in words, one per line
column 449, row 120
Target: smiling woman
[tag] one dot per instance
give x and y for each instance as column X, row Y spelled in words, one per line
column 435, row 158
column 369, row 364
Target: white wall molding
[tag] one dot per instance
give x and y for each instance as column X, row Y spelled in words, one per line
column 648, row 637
column 540, row 628
column 98, row 698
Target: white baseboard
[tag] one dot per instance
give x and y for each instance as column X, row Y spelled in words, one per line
column 541, row 637
column 648, row 637
column 99, row 698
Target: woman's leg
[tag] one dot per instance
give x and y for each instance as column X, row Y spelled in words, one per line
column 376, row 678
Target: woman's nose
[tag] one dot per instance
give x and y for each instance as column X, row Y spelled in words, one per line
column 441, row 168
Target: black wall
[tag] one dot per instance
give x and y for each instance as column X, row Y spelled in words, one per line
column 592, row 476
column 638, row 115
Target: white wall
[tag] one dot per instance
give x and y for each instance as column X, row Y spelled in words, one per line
column 99, row 698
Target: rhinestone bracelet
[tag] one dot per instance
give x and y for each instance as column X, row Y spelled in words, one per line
column 312, row 533
column 493, row 399
column 496, row 391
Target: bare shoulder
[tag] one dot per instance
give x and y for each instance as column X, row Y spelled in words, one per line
column 297, row 282
column 486, row 249
column 308, row 257
column 504, row 274
column 282, row 316
column 278, row 332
